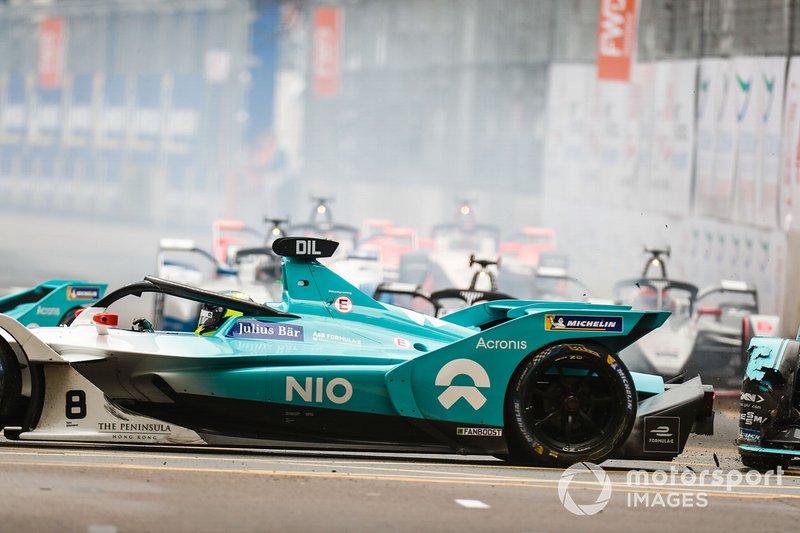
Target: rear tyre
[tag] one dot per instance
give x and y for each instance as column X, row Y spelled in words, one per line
column 569, row 403
column 10, row 386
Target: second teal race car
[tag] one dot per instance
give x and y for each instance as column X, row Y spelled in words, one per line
column 330, row 367
column 52, row 303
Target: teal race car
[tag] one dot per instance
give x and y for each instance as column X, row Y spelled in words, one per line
column 330, row 367
column 769, row 418
column 52, row 303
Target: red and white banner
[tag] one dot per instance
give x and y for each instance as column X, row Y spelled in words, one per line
column 326, row 53
column 616, row 39
column 51, row 52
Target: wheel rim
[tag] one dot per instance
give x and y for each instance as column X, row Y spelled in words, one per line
column 568, row 404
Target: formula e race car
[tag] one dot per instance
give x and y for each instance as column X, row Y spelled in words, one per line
column 769, row 419
column 482, row 288
column 52, row 303
column 705, row 332
column 330, row 367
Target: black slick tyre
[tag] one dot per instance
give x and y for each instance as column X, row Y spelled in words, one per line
column 569, row 403
column 10, row 386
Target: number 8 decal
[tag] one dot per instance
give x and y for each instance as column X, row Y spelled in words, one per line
column 76, row 404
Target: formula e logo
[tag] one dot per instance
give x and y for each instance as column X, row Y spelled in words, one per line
column 462, row 367
column 661, row 431
column 661, row 434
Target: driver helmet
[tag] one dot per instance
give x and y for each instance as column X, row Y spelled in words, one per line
column 212, row 316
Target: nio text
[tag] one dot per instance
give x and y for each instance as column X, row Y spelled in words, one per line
column 337, row 390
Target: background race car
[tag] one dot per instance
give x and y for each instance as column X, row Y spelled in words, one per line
column 52, row 303
column 329, row 366
column 704, row 334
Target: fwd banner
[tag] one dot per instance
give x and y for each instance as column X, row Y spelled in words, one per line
column 616, row 41
column 51, row 52
column 327, row 45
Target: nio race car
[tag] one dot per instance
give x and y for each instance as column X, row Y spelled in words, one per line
column 52, row 303
column 769, row 419
column 328, row 366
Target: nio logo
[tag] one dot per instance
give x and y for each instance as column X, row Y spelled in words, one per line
column 453, row 393
column 661, row 431
column 306, row 248
column 338, row 390
column 47, row 311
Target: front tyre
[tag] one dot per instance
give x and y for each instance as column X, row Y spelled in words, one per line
column 569, row 403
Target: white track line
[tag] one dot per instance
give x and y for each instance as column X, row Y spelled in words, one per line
column 472, row 504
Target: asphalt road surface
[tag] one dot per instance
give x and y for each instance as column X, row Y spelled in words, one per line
column 105, row 489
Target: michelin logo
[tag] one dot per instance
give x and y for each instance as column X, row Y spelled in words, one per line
column 83, row 293
column 582, row 323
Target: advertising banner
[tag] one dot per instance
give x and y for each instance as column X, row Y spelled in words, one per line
column 710, row 85
column 672, row 157
column 789, row 199
column 746, row 84
column 51, row 52
column 770, row 98
column 569, row 154
column 759, row 83
column 725, row 145
column 326, row 50
column 616, row 39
